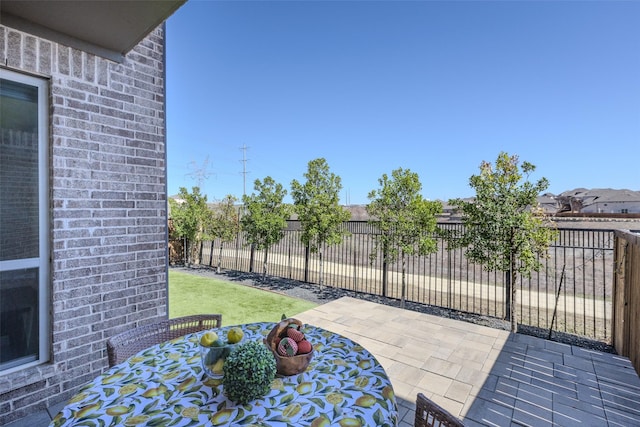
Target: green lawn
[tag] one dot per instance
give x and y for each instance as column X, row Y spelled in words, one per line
column 192, row 294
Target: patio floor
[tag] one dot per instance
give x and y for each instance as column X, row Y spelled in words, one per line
column 485, row 376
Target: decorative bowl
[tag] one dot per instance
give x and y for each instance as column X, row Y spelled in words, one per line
column 287, row 365
column 213, row 358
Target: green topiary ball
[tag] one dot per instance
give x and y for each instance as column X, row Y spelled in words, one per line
column 248, row 372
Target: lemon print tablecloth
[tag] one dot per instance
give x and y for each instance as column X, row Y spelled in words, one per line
column 164, row 385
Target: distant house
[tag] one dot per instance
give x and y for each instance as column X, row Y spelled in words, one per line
column 549, row 203
column 83, row 199
column 581, row 200
column 601, row 201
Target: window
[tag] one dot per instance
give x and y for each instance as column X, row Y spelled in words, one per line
column 24, row 251
column 625, row 211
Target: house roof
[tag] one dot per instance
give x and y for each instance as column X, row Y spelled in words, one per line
column 603, row 195
column 104, row 27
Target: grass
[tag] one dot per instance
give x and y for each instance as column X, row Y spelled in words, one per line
column 238, row 304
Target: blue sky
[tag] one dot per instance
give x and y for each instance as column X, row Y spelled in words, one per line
column 434, row 87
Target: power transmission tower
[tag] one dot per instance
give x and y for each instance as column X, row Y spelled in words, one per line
column 200, row 173
column 244, row 172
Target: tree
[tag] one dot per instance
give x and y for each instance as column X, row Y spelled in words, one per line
column 226, row 224
column 191, row 218
column 504, row 227
column 316, row 203
column 265, row 216
column 406, row 221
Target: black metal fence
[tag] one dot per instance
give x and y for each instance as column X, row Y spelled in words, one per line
column 575, row 282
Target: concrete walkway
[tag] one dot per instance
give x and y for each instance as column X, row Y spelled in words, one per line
column 487, row 377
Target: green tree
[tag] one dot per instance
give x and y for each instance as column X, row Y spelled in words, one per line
column 265, row 217
column 317, row 204
column 405, row 220
column 225, row 224
column 191, row 218
column 504, row 227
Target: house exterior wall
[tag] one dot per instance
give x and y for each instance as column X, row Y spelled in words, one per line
column 612, row 207
column 108, row 209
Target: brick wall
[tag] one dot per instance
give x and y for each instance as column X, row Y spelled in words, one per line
column 108, row 208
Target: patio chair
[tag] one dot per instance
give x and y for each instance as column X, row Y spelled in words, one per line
column 430, row 414
column 122, row 346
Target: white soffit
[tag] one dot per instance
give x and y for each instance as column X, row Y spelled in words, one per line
column 104, row 27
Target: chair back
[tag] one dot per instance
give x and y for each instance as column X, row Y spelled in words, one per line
column 430, row 414
column 122, row 346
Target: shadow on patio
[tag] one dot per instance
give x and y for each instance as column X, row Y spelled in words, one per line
column 485, row 376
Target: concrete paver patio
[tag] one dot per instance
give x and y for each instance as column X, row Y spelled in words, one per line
column 485, row 376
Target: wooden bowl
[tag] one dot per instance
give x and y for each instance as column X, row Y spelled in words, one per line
column 287, row 365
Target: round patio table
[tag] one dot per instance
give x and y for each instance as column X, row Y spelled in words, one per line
column 164, row 385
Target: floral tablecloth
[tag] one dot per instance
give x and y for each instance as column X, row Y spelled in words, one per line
column 164, row 385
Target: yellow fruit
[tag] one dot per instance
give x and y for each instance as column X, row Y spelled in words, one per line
column 291, row 410
column 191, row 412
column 335, row 398
column 388, row 393
column 321, row 421
column 221, row 417
column 364, row 364
column 155, row 391
column 135, row 420
column 186, row 384
column 78, row 398
column 86, row 410
column 170, row 375
column 212, row 382
column 304, row 388
column 208, row 338
column 216, row 368
column 118, row 410
column 361, row 382
column 127, row 389
column 366, row 401
column 350, row 422
column 112, row 378
column 235, row 335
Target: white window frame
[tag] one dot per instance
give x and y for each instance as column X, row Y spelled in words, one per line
column 42, row 261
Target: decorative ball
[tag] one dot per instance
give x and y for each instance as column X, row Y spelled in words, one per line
column 287, row 347
column 248, row 372
column 295, row 334
column 304, row 347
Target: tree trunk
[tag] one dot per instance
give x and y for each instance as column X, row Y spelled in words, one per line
column 264, row 264
column 185, row 252
column 212, row 251
column 384, row 270
column 514, row 288
column 507, row 295
column 251, row 256
column 307, row 252
column 404, row 284
column 219, row 258
column 510, row 287
column 321, row 269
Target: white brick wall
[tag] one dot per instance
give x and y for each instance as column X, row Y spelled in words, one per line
column 108, row 216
